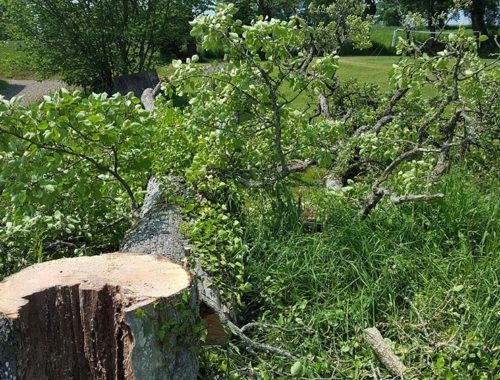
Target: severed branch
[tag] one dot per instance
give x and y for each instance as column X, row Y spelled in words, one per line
column 384, row 352
column 296, row 166
column 61, row 243
column 292, row 166
column 309, row 58
column 398, row 95
column 323, row 106
column 397, row 199
column 267, row 326
column 444, row 158
column 227, row 323
column 148, row 97
column 378, row 192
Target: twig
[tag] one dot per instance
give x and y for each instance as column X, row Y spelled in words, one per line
column 62, row 243
column 240, row 334
column 419, row 317
column 267, row 326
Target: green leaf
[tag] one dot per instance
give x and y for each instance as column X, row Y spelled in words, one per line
column 297, row 369
column 483, row 37
column 440, row 362
column 50, row 188
column 140, row 313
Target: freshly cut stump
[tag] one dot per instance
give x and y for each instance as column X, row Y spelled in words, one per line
column 99, row 317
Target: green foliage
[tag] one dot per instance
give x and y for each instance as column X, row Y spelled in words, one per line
column 72, row 167
column 251, row 10
column 237, row 109
column 393, row 12
column 341, row 22
column 318, row 291
column 242, row 118
column 424, row 273
column 218, row 245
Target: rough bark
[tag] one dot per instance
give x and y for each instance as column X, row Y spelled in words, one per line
column 158, row 232
column 77, row 319
column 477, row 15
column 384, row 352
column 332, row 181
column 323, row 106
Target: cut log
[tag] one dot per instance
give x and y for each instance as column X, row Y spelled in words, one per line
column 148, row 97
column 384, row 352
column 97, row 318
column 135, row 83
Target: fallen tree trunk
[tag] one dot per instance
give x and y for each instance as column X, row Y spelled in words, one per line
column 100, row 317
column 157, row 232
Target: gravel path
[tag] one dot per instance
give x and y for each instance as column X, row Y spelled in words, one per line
column 31, row 90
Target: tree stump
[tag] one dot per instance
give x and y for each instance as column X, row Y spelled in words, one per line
column 112, row 316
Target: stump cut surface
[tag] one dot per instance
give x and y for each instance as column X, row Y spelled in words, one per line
column 140, row 278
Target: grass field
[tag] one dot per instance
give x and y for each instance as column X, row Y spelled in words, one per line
column 370, row 69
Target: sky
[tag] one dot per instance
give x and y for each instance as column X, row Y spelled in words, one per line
column 463, row 20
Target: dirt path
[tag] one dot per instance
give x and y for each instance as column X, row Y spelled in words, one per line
column 31, row 90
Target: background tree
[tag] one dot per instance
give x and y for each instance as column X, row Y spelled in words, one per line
column 176, row 41
column 248, row 10
column 370, row 7
column 89, row 42
column 484, row 14
column 3, row 31
column 393, row 10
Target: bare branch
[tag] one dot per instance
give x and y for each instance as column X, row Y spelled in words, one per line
column 308, row 59
column 295, row 166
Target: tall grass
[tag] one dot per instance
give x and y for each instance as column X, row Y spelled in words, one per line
column 426, row 274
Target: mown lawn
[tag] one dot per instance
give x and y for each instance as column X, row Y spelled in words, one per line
column 369, row 69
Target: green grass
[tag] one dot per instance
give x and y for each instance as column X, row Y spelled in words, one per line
column 14, row 62
column 426, row 274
